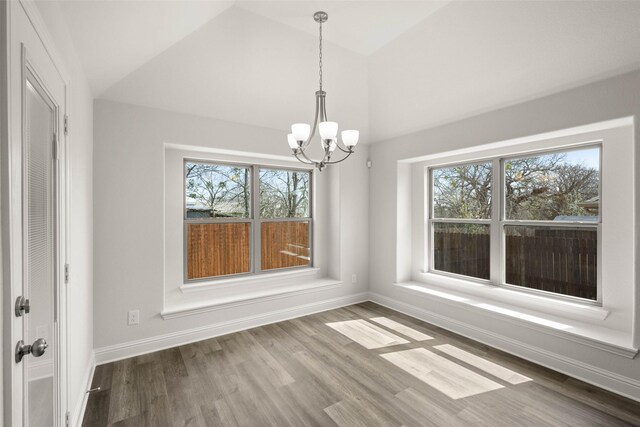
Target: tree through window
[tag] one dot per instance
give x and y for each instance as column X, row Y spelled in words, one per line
column 549, row 207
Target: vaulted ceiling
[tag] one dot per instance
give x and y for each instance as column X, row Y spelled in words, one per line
column 113, row 38
column 391, row 67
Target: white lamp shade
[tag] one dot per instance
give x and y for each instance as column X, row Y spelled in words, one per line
column 350, row 137
column 328, row 130
column 332, row 145
column 300, row 131
column 292, row 141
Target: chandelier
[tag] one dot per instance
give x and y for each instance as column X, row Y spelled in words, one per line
column 302, row 133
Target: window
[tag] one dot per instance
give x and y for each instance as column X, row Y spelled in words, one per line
column 461, row 219
column 543, row 233
column 242, row 219
column 285, row 229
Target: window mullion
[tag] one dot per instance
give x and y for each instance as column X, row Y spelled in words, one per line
column 257, row 224
column 497, row 241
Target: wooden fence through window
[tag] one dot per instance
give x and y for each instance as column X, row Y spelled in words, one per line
column 284, row 244
column 562, row 261
column 218, row 249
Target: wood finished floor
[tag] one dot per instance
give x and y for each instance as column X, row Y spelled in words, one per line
column 302, row 372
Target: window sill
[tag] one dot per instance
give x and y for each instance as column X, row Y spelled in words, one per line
column 513, row 297
column 248, row 298
column 612, row 341
column 248, row 279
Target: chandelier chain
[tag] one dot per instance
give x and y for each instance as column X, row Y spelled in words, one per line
column 320, row 57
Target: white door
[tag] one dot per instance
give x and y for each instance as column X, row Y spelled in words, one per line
column 37, row 95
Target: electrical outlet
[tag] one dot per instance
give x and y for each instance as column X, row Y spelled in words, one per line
column 354, row 278
column 134, row 317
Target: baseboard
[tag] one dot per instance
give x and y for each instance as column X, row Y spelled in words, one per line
column 78, row 412
column 599, row 377
column 161, row 342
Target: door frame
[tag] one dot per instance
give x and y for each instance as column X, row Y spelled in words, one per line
column 11, row 141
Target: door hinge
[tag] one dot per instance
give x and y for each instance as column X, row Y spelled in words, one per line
column 66, row 125
column 67, row 419
column 66, row 273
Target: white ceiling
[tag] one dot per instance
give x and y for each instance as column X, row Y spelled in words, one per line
column 391, row 67
column 265, row 77
column 113, row 38
column 474, row 57
column 361, row 26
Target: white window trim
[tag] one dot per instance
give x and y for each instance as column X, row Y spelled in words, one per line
column 207, row 305
column 497, row 223
column 617, row 274
column 255, row 221
column 596, row 336
column 252, row 278
column 229, row 291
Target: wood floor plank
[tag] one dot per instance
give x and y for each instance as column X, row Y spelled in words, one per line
column 483, row 364
column 183, row 404
column 450, row 378
column 124, row 402
column 302, row 372
column 366, row 334
column 370, row 378
column 257, row 404
column 311, row 398
column 358, row 413
column 201, row 383
column 103, row 376
column 368, row 366
column 97, row 411
column 402, row 329
column 219, row 413
column 435, row 413
column 274, row 398
column 224, row 374
column 172, row 363
column 268, row 364
column 135, row 421
column 154, row 403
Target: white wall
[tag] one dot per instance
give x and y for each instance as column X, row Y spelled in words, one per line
column 129, row 228
column 609, row 99
column 80, row 287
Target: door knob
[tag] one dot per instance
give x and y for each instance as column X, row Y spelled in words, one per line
column 37, row 349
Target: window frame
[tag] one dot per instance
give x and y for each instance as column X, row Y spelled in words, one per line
column 254, row 220
column 432, row 220
column 498, row 222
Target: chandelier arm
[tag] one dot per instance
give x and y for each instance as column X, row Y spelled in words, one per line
column 338, row 161
column 301, row 151
column 315, row 123
column 342, row 149
column 308, row 162
column 324, row 111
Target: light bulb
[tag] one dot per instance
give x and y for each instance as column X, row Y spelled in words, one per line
column 350, row 137
column 292, row 141
column 300, row 131
column 328, row 130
